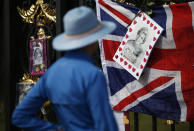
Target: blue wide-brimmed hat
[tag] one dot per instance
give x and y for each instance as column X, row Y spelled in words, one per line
column 81, row 29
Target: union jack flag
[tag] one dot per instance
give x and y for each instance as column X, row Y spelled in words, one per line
column 166, row 87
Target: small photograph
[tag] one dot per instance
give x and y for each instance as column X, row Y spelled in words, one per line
column 22, row 89
column 134, row 49
column 137, row 44
column 38, row 57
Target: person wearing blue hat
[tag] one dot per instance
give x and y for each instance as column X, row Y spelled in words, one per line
column 76, row 88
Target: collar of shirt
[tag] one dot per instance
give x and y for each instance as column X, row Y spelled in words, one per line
column 79, row 54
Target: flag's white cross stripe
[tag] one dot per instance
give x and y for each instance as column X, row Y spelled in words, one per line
column 119, row 119
column 113, row 38
column 102, row 56
column 104, row 66
column 112, row 64
column 167, row 43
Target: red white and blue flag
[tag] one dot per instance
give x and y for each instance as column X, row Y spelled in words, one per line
column 166, row 87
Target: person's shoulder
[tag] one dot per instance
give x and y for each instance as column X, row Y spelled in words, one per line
column 88, row 66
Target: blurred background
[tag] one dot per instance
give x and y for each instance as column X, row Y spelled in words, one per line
column 15, row 35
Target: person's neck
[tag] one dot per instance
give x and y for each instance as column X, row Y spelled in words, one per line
column 87, row 51
column 90, row 49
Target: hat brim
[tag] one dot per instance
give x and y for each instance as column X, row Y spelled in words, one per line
column 61, row 43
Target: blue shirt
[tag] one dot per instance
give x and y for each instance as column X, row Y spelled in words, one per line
column 78, row 92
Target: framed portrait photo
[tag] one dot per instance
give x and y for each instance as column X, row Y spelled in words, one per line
column 137, row 44
column 38, row 56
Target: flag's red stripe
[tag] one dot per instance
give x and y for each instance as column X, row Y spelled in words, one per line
column 187, row 84
column 110, row 48
column 172, row 59
column 182, row 25
column 141, row 92
column 115, row 12
column 184, row 38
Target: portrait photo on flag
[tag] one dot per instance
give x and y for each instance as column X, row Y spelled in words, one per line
column 166, row 86
column 137, row 44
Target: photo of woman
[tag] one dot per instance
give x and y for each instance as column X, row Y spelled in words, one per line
column 134, row 49
column 38, row 63
column 37, row 56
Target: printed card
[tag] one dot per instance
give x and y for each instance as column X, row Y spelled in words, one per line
column 38, row 56
column 137, row 44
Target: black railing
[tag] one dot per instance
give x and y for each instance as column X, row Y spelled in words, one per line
column 175, row 126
